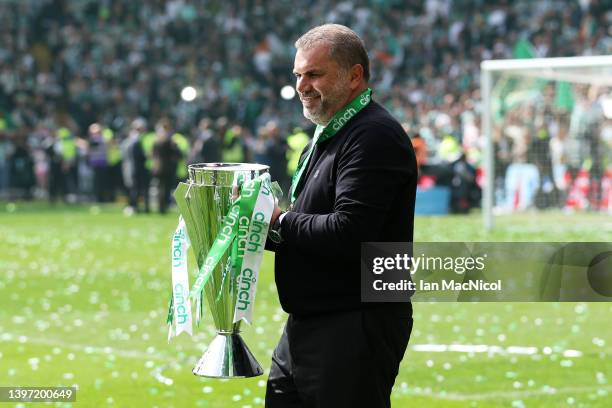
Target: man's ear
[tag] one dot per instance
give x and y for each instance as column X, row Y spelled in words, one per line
column 356, row 75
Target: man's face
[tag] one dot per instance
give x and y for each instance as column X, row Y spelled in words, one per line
column 323, row 86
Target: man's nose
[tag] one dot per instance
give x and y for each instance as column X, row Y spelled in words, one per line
column 302, row 84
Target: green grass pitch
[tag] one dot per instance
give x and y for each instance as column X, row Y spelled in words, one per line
column 83, row 297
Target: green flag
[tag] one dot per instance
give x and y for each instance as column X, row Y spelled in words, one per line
column 564, row 96
column 523, row 49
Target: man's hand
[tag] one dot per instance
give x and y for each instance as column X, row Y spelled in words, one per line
column 277, row 211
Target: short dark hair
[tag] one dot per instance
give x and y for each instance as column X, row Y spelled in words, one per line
column 346, row 47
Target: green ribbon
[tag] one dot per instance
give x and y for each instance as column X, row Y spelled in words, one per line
column 323, row 133
column 251, row 244
column 242, row 207
column 236, row 234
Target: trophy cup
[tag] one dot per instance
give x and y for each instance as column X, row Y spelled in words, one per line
column 207, row 202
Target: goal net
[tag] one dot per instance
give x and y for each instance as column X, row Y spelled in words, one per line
column 547, row 128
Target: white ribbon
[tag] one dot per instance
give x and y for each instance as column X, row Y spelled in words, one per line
column 253, row 252
column 180, row 281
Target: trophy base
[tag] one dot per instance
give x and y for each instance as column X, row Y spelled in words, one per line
column 227, row 357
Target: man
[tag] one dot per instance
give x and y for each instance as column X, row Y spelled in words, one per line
column 207, row 147
column 356, row 182
column 271, row 149
column 136, row 176
column 166, row 156
column 98, row 161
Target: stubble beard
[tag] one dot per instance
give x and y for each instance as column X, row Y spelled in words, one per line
column 322, row 114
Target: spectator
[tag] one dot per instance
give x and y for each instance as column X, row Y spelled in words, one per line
column 420, row 150
column 98, row 160
column 111, row 62
column 166, row 156
column 465, row 193
column 21, row 166
column 270, row 149
column 5, row 147
column 207, row 146
column 136, row 176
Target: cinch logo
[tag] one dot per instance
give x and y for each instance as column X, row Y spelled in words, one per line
column 364, row 99
column 248, row 189
column 226, row 232
column 339, row 122
column 244, row 291
column 257, row 228
column 243, row 230
column 179, row 301
column 177, row 249
column 208, row 263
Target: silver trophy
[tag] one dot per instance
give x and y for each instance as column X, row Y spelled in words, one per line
column 203, row 201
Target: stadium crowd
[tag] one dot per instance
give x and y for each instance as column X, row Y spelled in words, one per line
column 90, row 90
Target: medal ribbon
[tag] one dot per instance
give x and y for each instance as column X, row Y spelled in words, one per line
column 323, row 133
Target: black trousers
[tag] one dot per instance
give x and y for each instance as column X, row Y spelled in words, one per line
column 340, row 360
column 139, row 189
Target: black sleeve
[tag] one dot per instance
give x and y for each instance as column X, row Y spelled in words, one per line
column 270, row 246
column 375, row 164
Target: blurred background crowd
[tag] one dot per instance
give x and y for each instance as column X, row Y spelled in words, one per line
column 91, row 106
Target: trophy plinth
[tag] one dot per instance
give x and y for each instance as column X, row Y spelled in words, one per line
column 228, row 357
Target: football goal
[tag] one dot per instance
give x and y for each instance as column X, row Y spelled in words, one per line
column 547, row 132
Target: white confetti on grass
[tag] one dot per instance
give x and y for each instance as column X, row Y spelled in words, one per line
column 427, row 348
column 516, row 395
column 160, row 377
column 151, row 356
column 82, row 347
column 601, row 378
column 572, row 353
column 483, row 348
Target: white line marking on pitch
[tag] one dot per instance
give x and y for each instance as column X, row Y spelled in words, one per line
column 507, row 394
column 428, row 348
column 483, row 348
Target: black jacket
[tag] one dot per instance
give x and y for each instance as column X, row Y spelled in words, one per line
column 359, row 186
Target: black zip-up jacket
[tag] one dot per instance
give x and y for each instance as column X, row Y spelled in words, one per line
column 359, row 186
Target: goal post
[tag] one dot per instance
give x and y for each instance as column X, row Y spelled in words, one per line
column 539, row 94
